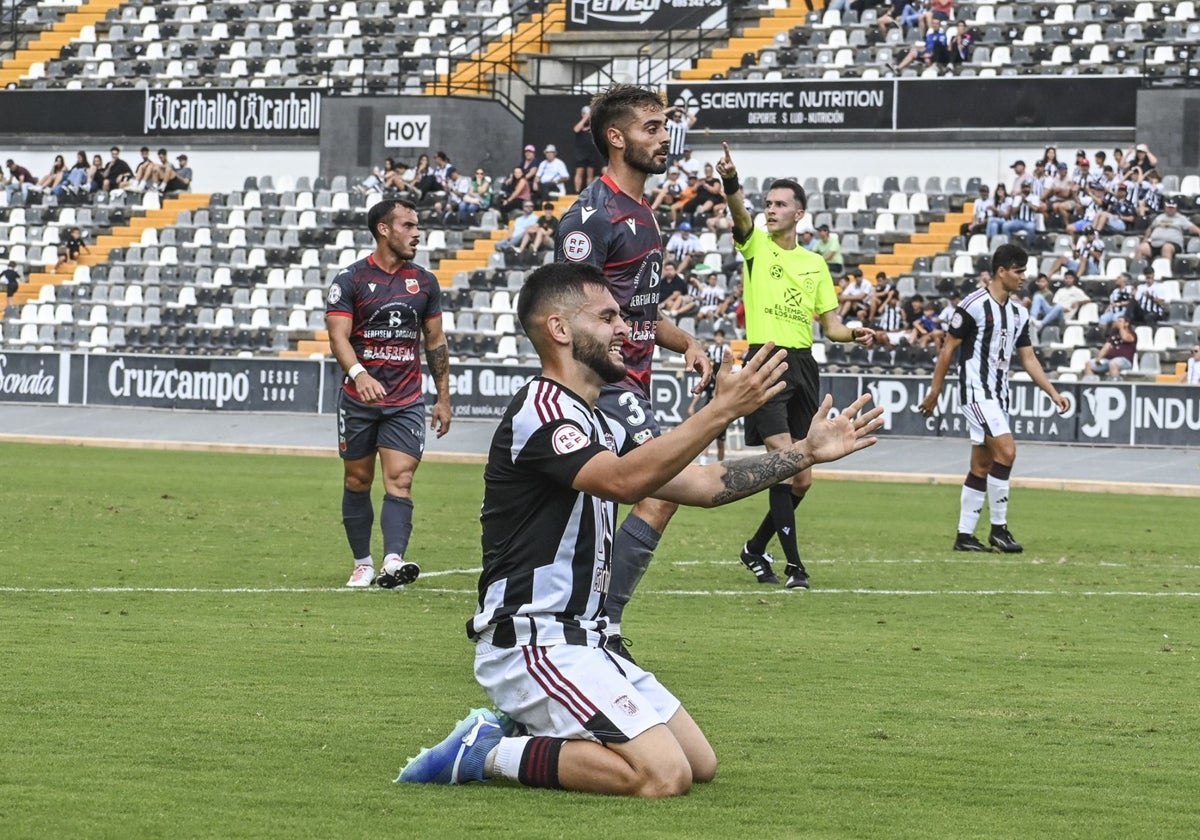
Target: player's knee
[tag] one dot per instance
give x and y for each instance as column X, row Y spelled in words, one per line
column 666, row 779
column 704, row 768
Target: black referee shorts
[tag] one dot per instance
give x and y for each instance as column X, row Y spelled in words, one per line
column 791, row 410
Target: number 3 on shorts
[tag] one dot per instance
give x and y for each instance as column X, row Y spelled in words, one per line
column 629, row 402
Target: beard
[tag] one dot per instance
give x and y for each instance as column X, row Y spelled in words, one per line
column 594, row 354
column 644, row 161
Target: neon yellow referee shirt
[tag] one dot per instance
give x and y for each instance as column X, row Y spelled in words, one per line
column 783, row 290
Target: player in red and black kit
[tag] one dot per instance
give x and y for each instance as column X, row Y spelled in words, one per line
column 612, row 227
column 377, row 310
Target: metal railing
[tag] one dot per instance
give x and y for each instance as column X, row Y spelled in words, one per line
column 10, row 25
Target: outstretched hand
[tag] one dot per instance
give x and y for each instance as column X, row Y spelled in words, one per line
column 833, row 438
column 740, row 392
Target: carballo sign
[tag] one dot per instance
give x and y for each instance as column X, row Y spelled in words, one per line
column 257, row 111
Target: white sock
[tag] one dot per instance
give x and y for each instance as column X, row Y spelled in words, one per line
column 613, row 629
column 997, row 493
column 365, row 561
column 507, row 761
column 970, row 505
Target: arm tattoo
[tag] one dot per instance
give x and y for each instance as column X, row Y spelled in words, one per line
column 747, row 476
column 438, row 359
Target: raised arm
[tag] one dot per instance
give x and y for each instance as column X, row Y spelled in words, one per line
column 743, row 222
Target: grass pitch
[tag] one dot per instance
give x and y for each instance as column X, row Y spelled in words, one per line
column 179, row 660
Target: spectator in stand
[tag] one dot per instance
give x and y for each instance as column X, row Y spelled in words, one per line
column 390, row 177
column 458, row 186
column 683, row 247
column 885, row 293
column 1068, row 298
column 889, row 319
column 673, row 290
column 19, row 180
column 146, row 171
column 588, row 163
column 1110, row 180
column 552, row 176
column 912, row 309
column 688, row 165
column 936, row 15
column 1020, row 176
column 1120, row 212
column 70, row 246
column 927, row 329
column 1165, row 236
column 1041, row 180
column 681, row 305
column 1060, row 196
column 117, row 174
column 808, row 239
column 1024, row 211
column 54, row 177
column 75, row 180
column 854, row 299
column 709, row 293
column 961, row 44
column 96, row 174
column 983, row 211
column 522, row 223
column 478, row 196
column 1148, row 306
column 1038, row 300
column 1088, row 254
column 1141, row 158
column 424, row 179
column 1050, row 155
column 1150, row 198
column 709, row 196
column 11, row 280
column 529, row 162
column 948, row 307
column 539, row 236
column 1001, row 204
column 670, row 192
column 679, row 121
column 177, row 178
column 902, row 13
column 1116, row 356
column 829, row 246
column 1118, row 300
column 515, row 191
column 1192, row 377
column 934, row 49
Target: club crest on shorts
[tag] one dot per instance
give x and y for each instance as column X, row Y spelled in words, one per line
column 577, row 246
column 626, row 705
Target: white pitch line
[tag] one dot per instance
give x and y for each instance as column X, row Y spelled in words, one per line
column 282, row 590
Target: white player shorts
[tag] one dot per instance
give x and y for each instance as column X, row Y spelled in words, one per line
column 573, row 691
column 986, row 418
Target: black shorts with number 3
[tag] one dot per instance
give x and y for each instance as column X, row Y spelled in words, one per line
column 791, row 410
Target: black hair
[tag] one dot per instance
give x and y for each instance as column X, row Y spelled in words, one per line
column 162, row 151
column 794, row 186
column 382, row 209
column 615, row 105
column 1009, row 256
column 555, row 284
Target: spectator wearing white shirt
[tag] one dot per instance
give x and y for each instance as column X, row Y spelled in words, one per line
column 552, row 175
column 1148, row 306
column 682, row 246
column 983, row 210
column 1192, row 377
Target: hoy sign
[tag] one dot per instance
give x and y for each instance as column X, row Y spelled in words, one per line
column 406, row 131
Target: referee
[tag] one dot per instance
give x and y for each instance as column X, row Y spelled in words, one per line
column 785, row 285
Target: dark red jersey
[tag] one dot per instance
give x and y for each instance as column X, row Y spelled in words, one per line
column 619, row 234
column 388, row 312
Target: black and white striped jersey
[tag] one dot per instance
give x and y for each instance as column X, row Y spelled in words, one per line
column 546, row 546
column 677, row 130
column 990, row 332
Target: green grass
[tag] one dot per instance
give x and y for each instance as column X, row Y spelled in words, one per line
column 914, row 693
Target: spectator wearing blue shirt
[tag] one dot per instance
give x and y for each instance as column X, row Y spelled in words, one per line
column 935, row 50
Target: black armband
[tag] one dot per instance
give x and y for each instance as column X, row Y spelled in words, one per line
column 731, row 185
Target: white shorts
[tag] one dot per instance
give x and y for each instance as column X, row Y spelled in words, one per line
column 573, row 691
column 986, row 418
